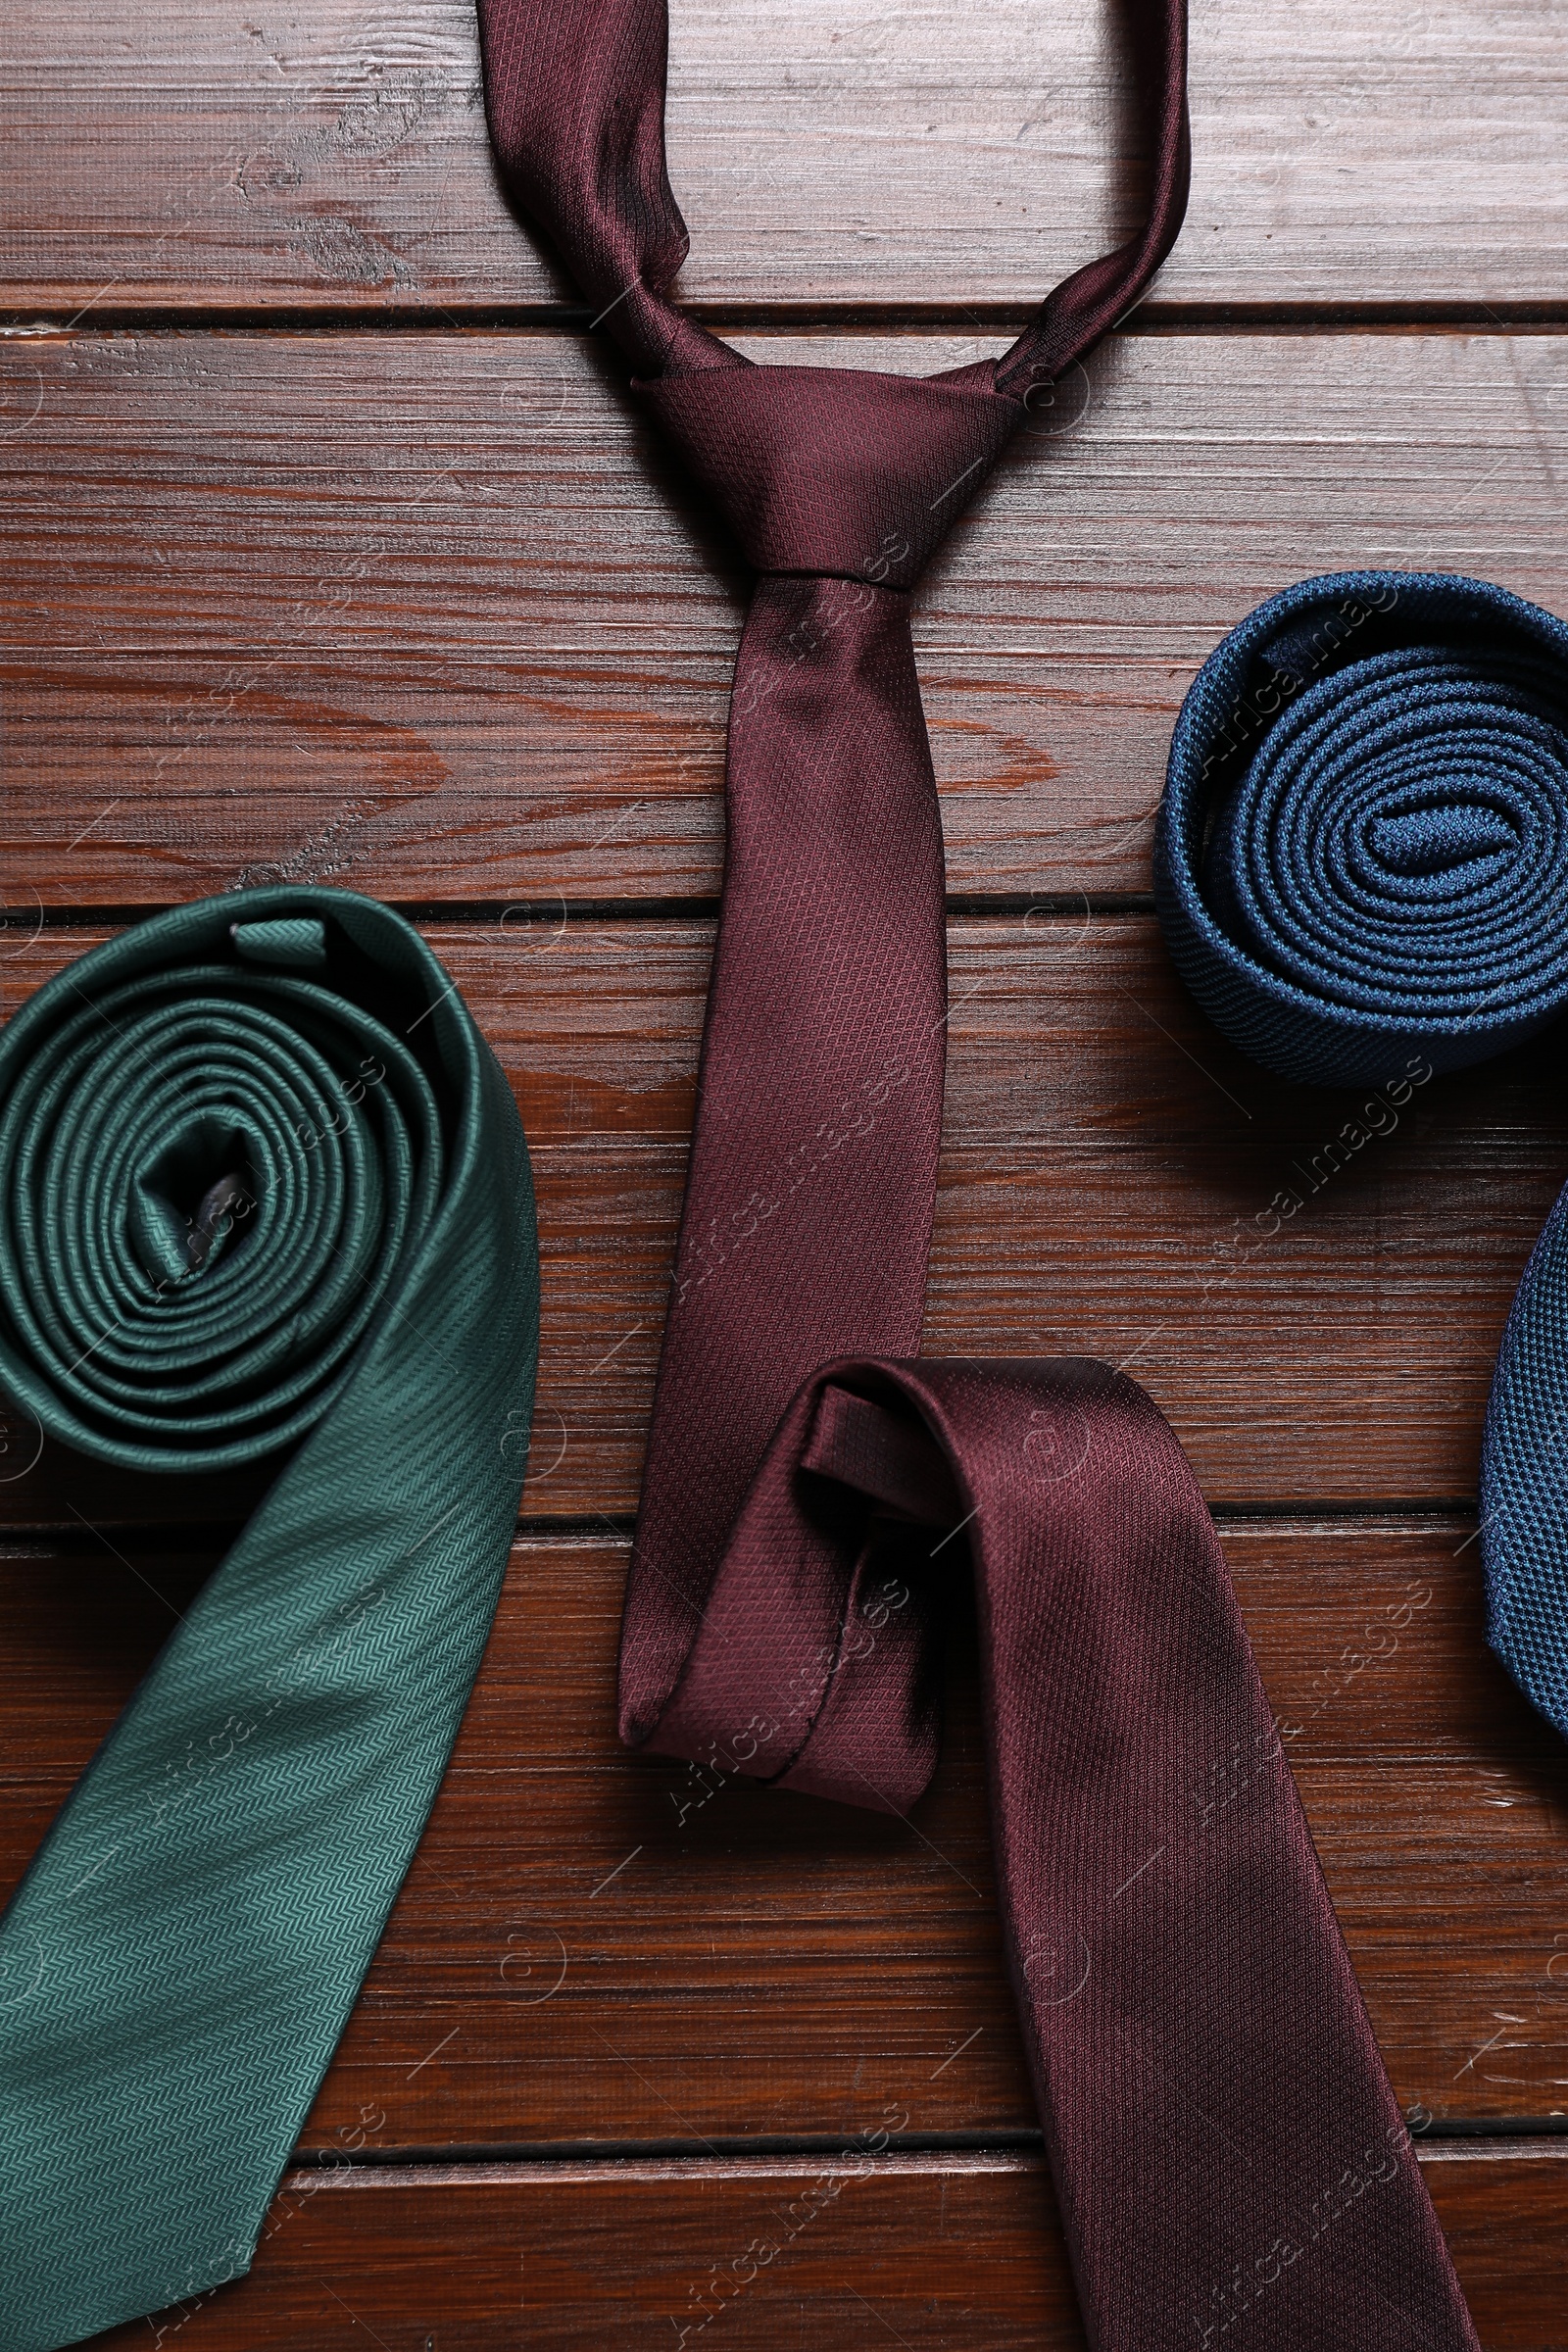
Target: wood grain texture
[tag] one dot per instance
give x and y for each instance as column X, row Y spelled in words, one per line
column 853, row 2251
column 593, row 1946
column 429, row 614
column 432, row 616
column 1317, row 1318
column 821, row 153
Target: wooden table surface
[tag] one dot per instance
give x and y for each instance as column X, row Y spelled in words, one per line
column 336, row 552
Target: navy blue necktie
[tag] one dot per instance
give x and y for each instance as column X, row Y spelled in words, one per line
column 1361, row 866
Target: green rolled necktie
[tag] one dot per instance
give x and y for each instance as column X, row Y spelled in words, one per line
column 262, row 1186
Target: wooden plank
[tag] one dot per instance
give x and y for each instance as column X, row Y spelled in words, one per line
column 593, row 1946
column 853, row 2251
column 875, row 155
column 432, row 616
column 614, row 2255
column 1116, row 1182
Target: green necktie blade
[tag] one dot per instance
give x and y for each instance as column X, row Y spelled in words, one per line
column 263, row 1187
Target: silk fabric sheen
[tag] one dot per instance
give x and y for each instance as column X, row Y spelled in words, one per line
column 1362, row 860
column 262, row 1184
column 1226, row 2149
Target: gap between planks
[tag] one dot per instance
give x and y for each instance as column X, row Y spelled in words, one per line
column 1304, row 1515
column 509, row 2174
column 1547, row 317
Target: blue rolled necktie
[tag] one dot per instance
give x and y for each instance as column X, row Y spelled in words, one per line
column 1361, row 860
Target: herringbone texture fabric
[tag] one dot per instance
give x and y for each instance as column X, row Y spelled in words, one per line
column 1361, row 866
column 261, row 1184
column 1225, row 2145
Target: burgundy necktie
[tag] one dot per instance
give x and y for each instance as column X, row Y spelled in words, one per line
column 1230, row 2162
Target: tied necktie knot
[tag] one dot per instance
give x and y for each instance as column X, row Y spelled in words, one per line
column 810, row 1480
column 837, row 470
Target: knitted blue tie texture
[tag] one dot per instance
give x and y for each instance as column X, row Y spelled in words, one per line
column 1361, row 858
